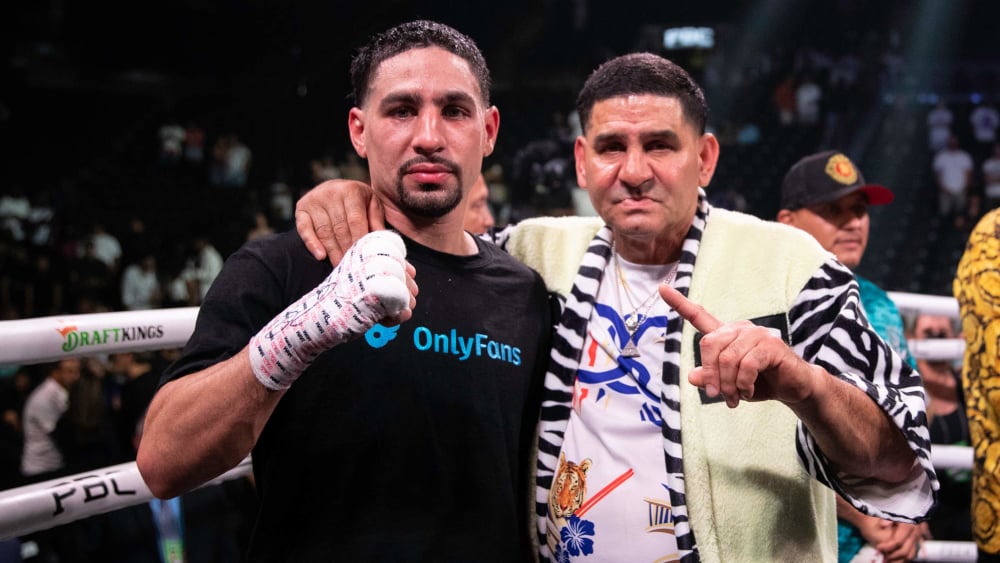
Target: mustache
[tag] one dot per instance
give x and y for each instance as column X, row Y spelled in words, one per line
column 432, row 159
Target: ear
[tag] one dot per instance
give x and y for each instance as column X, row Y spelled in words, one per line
column 786, row 216
column 356, row 127
column 708, row 157
column 580, row 154
column 491, row 121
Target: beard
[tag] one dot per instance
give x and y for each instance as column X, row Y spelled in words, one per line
column 430, row 200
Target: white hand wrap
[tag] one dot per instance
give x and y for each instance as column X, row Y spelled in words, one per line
column 368, row 285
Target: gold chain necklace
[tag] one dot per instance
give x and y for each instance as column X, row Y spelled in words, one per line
column 635, row 319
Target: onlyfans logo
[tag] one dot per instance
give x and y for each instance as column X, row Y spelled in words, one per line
column 464, row 347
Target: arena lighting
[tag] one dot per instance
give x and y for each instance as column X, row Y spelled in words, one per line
column 688, row 38
column 749, row 36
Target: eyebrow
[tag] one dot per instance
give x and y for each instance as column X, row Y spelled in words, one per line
column 456, row 96
column 643, row 137
column 396, row 98
column 413, row 98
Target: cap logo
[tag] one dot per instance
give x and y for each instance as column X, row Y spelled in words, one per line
column 840, row 168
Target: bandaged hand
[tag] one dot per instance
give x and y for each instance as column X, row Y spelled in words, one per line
column 367, row 286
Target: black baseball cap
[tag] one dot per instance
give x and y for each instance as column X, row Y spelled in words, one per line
column 827, row 176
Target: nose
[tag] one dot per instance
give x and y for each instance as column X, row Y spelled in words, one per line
column 427, row 137
column 635, row 171
column 851, row 221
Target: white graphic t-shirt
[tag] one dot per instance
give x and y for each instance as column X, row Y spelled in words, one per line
column 609, row 500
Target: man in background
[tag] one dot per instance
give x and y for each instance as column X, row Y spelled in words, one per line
column 947, row 423
column 825, row 195
column 478, row 217
column 953, row 169
column 42, row 458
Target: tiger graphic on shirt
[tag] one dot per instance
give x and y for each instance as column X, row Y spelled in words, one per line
column 569, row 487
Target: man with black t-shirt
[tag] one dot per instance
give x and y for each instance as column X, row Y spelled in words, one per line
column 413, row 441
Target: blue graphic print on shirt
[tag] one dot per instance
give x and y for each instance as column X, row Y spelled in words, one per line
column 629, row 376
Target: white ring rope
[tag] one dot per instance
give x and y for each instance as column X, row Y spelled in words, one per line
column 48, row 504
column 944, row 456
column 33, row 341
column 937, row 348
column 938, row 305
column 52, row 503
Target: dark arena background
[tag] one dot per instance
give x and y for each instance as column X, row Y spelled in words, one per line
column 89, row 86
column 173, row 127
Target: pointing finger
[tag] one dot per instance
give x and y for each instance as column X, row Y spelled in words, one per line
column 694, row 313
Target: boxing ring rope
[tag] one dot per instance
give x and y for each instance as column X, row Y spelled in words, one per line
column 930, row 304
column 48, row 504
column 52, row 503
column 45, row 339
column 44, row 505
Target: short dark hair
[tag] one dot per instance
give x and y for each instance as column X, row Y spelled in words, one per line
column 643, row 73
column 415, row 35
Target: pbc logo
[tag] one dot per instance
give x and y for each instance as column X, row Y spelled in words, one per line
column 378, row 335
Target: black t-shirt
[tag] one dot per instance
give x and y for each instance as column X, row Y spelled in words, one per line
column 409, row 444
